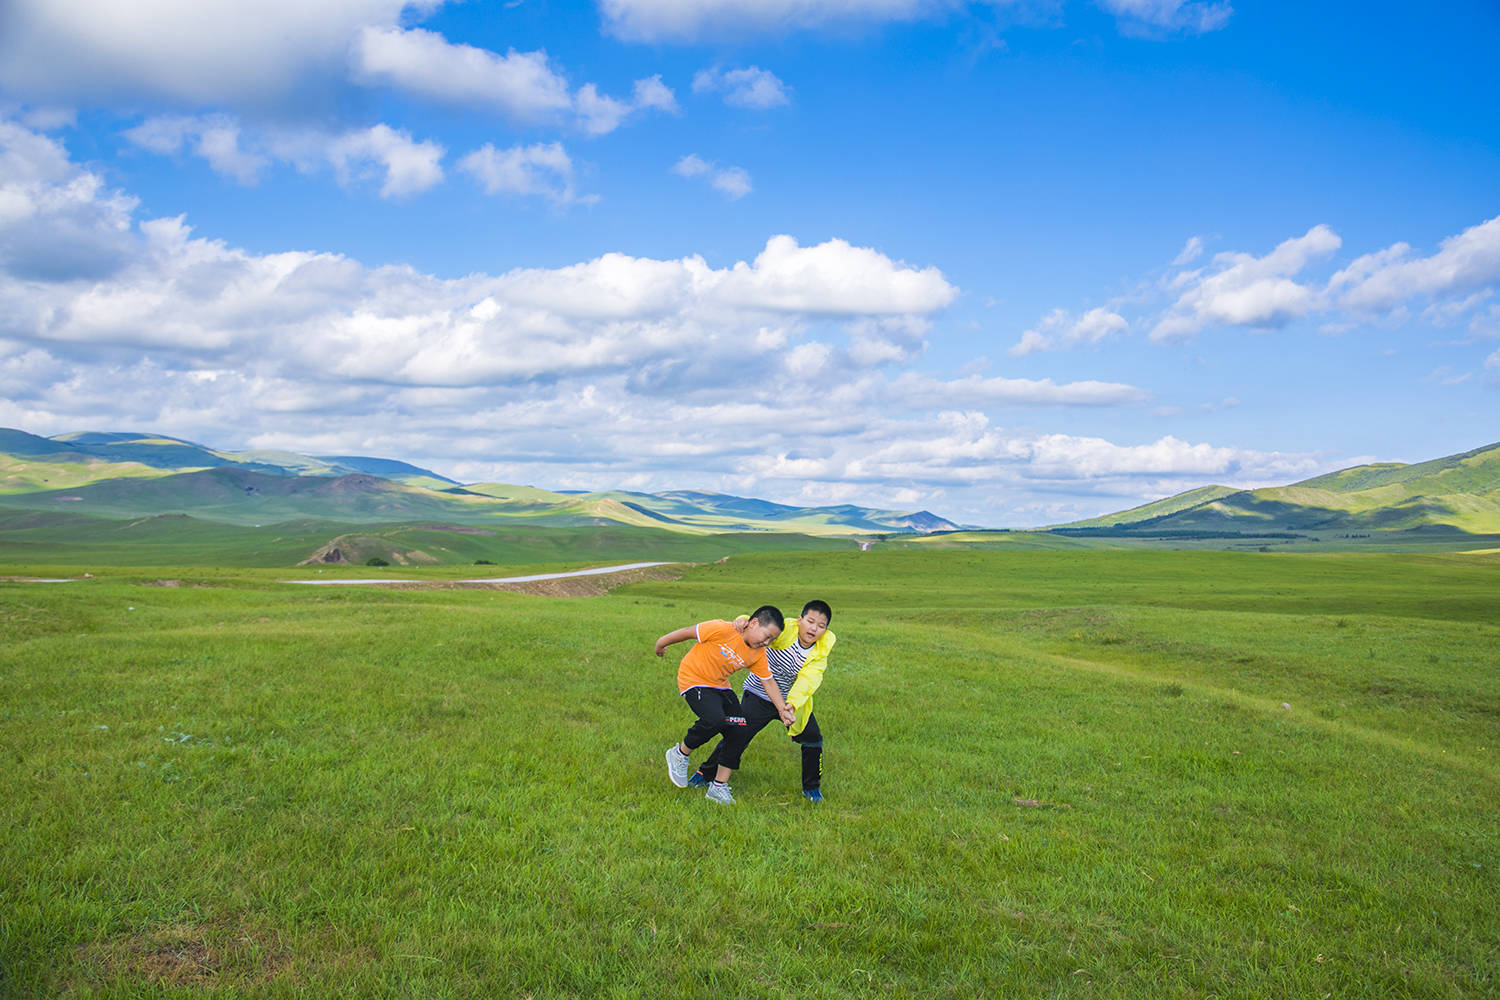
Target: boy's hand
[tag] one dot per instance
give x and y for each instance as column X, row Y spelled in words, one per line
column 788, row 715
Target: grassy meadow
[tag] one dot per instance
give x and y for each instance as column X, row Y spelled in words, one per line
column 1048, row 774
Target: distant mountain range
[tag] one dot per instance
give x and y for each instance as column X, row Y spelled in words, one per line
column 1459, row 493
column 129, row 475
column 101, row 489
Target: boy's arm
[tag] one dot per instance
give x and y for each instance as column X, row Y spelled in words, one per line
column 807, row 682
column 671, row 638
column 773, row 691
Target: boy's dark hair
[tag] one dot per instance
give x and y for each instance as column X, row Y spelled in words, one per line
column 769, row 614
column 821, row 607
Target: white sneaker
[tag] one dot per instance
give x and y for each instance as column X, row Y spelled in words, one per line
column 719, row 793
column 677, row 766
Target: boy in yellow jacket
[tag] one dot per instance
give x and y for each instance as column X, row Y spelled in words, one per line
column 797, row 659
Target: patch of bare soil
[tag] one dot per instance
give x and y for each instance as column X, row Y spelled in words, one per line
column 330, row 554
column 224, row 950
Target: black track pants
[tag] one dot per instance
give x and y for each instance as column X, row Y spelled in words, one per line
column 718, row 711
column 759, row 712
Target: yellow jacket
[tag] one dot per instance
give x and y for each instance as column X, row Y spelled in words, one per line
column 809, row 677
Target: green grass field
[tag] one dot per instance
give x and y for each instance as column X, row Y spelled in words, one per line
column 1049, row 774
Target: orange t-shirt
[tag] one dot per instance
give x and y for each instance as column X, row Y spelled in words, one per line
column 719, row 652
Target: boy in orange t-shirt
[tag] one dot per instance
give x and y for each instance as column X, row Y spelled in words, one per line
column 720, row 649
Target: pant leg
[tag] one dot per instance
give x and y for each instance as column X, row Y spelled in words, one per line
column 811, row 739
column 717, row 709
column 758, row 711
column 710, row 767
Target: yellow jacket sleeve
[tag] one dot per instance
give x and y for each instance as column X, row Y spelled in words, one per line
column 809, row 678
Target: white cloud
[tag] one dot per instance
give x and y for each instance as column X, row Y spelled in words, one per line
column 1486, row 323
column 599, row 114
column 1060, row 329
column 921, row 390
column 43, row 119
column 689, row 20
column 732, row 182
column 521, row 84
column 200, row 53
column 699, row 20
column 960, row 452
column 1383, row 280
column 750, row 87
column 1063, row 456
column 57, row 223
column 1243, row 290
column 543, row 169
column 652, row 93
column 180, row 291
column 1446, row 376
column 1191, row 251
column 834, row 277
column 404, row 165
column 194, row 52
column 1189, row 16
column 692, row 165
column 1448, row 312
column 766, row 377
column 887, row 340
column 1452, row 286
column 409, row 166
column 215, row 138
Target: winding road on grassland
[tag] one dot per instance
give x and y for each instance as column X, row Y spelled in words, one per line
column 600, row 571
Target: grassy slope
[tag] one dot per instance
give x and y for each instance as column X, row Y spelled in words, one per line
column 68, row 539
column 1461, row 491
column 1158, row 508
column 20, row 474
column 1467, row 472
column 1049, row 774
column 243, row 487
column 237, row 496
column 1397, row 503
column 243, row 497
column 175, row 454
column 63, row 540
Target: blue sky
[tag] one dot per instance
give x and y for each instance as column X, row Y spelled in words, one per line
column 1014, row 261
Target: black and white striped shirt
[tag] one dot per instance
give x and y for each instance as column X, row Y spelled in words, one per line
column 784, row 664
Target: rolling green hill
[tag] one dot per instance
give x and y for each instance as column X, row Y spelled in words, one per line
column 99, row 491
column 64, row 470
column 131, row 475
column 96, row 492
column 241, row 496
column 1458, row 494
column 159, row 451
column 1157, row 508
